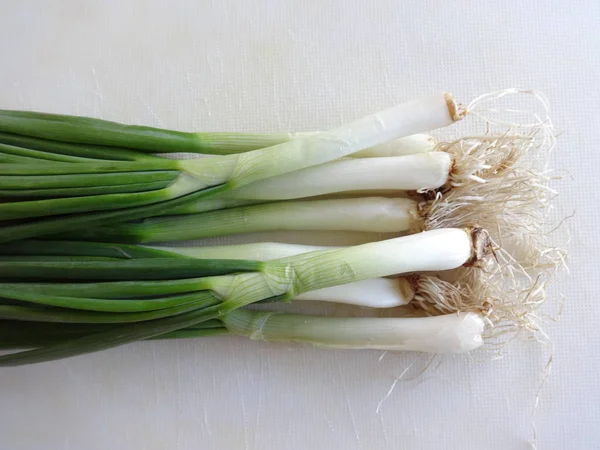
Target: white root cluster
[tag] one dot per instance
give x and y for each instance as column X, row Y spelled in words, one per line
column 499, row 182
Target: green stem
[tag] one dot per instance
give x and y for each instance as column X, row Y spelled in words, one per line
column 94, row 167
column 124, row 269
column 83, row 191
column 99, row 304
column 36, row 155
column 7, row 158
column 102, row 340
column 370, row 214
column 114, row 289
column 51, row 149
column 15, row 335
column 184, row 184
column 85, row 130
column 82, row 248
column 48, row 226
column 72, row 181
column 197, row 300
column 192, row 333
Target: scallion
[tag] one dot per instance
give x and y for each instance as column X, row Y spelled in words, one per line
column 376, row 214
column 197, row 175
column 284, row 278
column 451, row 333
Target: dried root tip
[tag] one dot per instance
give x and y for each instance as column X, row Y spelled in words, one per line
column 482, row 245
column 456, row 110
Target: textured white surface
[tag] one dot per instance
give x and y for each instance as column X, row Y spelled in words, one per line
column 291, row 65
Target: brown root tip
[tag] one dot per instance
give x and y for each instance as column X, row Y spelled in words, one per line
column 482, row 246
column 413, row 281
column 456, row 110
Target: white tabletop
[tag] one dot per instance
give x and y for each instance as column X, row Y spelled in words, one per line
column 289, row 65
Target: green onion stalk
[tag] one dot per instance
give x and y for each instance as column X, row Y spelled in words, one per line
column 145, row 302
column 193, row 179
column 418, row 172
column 386, row 292
column 101, row 139
column 227, row 143
column 449, row 333
column 368, row 214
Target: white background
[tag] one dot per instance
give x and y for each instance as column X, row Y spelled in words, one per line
column 299, row 65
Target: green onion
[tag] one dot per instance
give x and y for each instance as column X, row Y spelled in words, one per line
column 79, row 191
column 452, row 333
column 221, row 144
column 31, row 154
column 98, row 132
column 373, row 293
column 112, row 289
column 89, row 180
column 16, row 335
column 281, row 279
column 65, row 151
column 6, row 158
column 223, row 173
column 422, row 171
column 376, row 293
column 66, row 248
column 376, row 214
column 419, row 172
column 104, row 339
column 186, row 303
column 84, row 130
column 409, row 145
column 98, row 304
column 122, row 269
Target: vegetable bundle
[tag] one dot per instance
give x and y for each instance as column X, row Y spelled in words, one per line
column 78, row 197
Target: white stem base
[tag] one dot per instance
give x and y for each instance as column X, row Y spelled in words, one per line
column 373, row 293
column 403, row 173
column 415, row 116
column 409, row 145
column 452, row 333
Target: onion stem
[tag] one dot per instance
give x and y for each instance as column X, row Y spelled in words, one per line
column 452, row 333
column 222, row 173
column 375, row 214
column 373, row 293
column 285, row 278
column 43, row 130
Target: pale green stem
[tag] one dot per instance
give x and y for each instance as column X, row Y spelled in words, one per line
column 452, row 333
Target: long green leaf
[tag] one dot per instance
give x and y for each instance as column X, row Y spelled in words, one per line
column 112, row 337
column 98, row 304
column 93, row 167
column 7, row 158
column 73, row 205
column 16, row 335
column 51, row 149
column 193, row 301
column 51, row 225
column 101, row 132
column 112, row 289
column 34, row 156
column 94, row 180
column 133, row 269
column 83, row 191
column 82, row 248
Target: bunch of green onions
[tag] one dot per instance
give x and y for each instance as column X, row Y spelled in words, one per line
column 78, row 197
